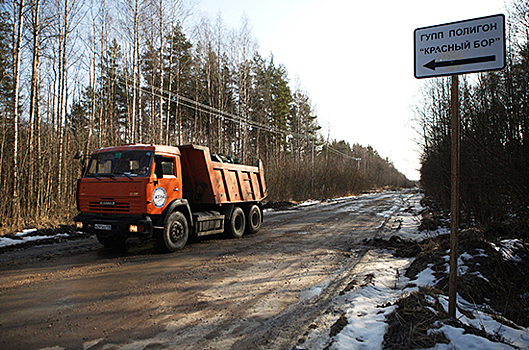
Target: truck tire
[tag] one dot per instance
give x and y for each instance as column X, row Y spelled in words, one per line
column 237, row 223
column 254, row 219
column 175, row 233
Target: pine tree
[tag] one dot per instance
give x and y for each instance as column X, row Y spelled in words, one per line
column 113, row 98
column 281, row 98
column 177, row 69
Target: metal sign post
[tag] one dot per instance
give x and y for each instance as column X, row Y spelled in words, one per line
column 470, row 46
column 454, row 194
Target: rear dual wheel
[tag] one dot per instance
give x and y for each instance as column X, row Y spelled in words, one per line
column 237, row 223
column 255, row 218
column 241, row 222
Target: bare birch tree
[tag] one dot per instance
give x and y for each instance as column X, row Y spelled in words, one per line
column 18, row 15
column 242, row 50
column 34, row 120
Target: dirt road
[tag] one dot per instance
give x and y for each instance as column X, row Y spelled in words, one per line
column 263, row 291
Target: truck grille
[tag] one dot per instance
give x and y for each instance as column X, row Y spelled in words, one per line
column 109, row 205
column 118, row 207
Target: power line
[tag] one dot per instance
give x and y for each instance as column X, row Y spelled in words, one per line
column 198, row 106
column 187, row 102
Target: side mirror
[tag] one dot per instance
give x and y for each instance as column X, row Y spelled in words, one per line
column 80, row 155
column 158, row 170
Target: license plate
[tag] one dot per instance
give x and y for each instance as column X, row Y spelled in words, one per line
column 103, row 227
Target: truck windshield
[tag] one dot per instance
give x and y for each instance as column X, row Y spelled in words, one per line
column 122, row 163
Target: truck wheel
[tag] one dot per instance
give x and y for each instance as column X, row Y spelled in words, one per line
column 237, row 223
column 255, row 218
column 175, row 233
column 112, row 242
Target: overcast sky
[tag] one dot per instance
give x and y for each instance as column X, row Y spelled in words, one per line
column 354, row 59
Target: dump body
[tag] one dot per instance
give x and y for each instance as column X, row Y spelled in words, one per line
column 212, row 182
column 141, row 190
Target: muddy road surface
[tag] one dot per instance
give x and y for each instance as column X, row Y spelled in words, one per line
column 262, row 291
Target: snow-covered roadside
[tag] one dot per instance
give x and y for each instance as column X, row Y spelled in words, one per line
column 379, row 283
column 30, row 235
column 366, row 319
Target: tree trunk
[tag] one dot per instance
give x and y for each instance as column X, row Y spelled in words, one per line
column 17, row 32
column 61, row 106
column 161, row 73
column 135, row 72
column 34, row 105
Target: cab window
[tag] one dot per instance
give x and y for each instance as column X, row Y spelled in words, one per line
column 167, row 167
column 120, row 163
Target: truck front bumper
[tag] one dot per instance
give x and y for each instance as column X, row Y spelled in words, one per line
column 114, row 226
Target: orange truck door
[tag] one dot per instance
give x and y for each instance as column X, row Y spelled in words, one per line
column 168, row 187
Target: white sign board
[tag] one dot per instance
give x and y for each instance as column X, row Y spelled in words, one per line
column 470, row 46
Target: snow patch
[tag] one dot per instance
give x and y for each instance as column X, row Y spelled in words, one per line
column 314, row 291
column 366, row 318
column 518, row 338
column 508, row 249
column 425, row 278
column 26, row 232
column 307, row 203
column 6, row 241
column 457, row 338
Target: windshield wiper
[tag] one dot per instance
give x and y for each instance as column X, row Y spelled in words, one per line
column 127, row 175
column 108, row 175
column 93, row 175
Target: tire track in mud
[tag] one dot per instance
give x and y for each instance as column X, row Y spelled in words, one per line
column 267, row 303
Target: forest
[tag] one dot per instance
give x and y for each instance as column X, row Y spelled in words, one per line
column 78, row 75
column 494, row 108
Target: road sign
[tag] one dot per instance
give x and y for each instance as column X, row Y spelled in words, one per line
column 470, row 46
column 475, row 45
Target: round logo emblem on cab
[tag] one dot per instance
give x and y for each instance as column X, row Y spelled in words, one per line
column 159, row 197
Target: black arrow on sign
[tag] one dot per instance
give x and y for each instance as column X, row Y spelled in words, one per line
column 432, row 64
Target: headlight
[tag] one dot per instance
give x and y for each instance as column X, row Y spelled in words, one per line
column 135, row 228
column 79, row 225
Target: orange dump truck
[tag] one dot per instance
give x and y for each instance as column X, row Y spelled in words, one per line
column 167, row 192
